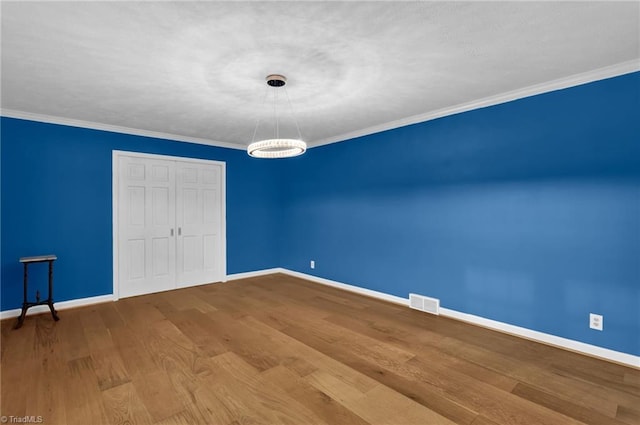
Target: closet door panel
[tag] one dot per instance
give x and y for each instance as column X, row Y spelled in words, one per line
column 146, row 203
column 198, row 219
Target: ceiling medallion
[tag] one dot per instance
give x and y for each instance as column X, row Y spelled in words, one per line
column 277, row 147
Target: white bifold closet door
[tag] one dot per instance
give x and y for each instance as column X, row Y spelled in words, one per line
column 170, row 224
column 198, row 217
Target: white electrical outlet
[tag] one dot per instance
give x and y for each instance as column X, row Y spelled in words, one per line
column 595, row 321
column 312, row 264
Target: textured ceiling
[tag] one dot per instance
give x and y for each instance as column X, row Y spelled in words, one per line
column 195, row 70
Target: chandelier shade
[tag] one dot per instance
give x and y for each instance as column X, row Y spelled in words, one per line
column 277, row 147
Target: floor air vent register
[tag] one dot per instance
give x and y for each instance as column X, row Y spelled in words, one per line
column 426, row 304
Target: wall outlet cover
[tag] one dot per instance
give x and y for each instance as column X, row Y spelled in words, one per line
column 596, row 321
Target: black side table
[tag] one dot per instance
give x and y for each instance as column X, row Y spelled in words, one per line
column 49, row 301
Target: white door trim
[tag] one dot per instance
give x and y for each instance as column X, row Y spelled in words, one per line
column 116, row 154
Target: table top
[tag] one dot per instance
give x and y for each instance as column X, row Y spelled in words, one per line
column 38, row 258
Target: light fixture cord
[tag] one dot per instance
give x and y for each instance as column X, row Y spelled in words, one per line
column 275, row 111
column 295, row 120
column 264, row 100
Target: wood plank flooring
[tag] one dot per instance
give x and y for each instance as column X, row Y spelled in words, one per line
column 280, row 350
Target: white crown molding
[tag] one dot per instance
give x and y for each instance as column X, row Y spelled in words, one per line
column 562, row 83
column 50, row 119
column 559, row 84
column 556, row 341
column 63, row 305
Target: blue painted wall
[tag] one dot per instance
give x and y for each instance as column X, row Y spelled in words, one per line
column 56, row 198
column 526, row 212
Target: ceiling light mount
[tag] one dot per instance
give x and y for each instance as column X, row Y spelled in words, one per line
column 276, row 80
column 278, row 147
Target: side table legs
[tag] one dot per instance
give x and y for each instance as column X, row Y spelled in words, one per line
column 54, row 313
column 26, row 304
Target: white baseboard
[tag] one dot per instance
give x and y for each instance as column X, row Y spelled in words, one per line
column 247, row 275
column 556, row 341
column 62, row 305
column 568, row 344
column 347, row 287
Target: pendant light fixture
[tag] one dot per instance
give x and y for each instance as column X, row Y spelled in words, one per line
column 277, row 147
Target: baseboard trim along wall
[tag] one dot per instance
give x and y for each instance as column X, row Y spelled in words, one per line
column 556, row 341
column 347, row 287
column 81, row 302
column 248, row 275
column 62, row 305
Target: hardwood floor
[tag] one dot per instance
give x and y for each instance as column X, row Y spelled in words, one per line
column 280, row 350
